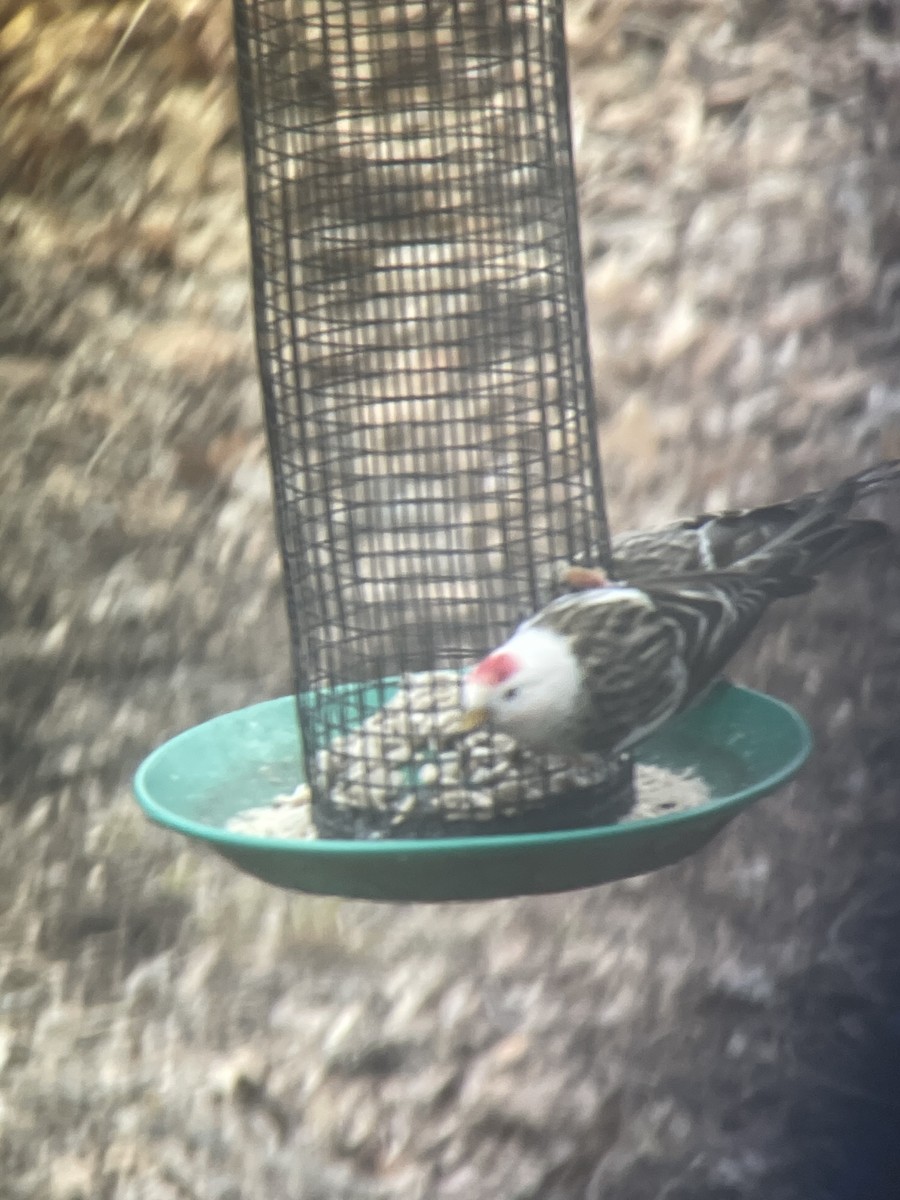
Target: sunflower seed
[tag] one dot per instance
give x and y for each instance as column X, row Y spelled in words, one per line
column 429, row 774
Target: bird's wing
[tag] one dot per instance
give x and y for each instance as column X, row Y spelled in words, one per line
column 707, row 542
column 714, row 614
column 717, row 541
column 716, row 611
column 633, row 675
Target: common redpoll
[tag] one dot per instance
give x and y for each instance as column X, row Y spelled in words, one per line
column 596, row 671
column 711, row 541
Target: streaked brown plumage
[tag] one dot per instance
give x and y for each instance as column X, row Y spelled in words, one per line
column 597, row 670
column 714, row 541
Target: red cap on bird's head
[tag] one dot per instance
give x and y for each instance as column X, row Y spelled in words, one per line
column 495, row 669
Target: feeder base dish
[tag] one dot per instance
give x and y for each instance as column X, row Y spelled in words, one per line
column 743, row 744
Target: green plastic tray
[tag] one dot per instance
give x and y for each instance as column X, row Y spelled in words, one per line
column 743, row 743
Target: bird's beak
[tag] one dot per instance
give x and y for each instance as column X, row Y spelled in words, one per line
column 475, row 706
column 472, row 719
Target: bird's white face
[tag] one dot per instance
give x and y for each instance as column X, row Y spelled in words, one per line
column 529, row 689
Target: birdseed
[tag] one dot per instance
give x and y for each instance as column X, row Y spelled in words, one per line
column 436, row 780
column 461, row 783
column 658, row 793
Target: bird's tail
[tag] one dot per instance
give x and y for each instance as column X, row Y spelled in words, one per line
column 872, row 479
column 821, row 534
column 716, row 610
column 734, row 536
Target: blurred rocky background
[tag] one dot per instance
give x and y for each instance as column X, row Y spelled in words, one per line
column 170, row 1030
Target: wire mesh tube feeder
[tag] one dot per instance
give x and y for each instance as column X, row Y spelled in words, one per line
column 423, row 353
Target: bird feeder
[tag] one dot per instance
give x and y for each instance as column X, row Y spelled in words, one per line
column 423, row 354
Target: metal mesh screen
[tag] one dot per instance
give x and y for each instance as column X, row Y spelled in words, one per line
column 420, row 328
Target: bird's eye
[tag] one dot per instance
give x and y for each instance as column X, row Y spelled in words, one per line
column 510, row 693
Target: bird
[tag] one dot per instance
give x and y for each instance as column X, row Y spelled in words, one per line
column 708, row 541
column 598, row 669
